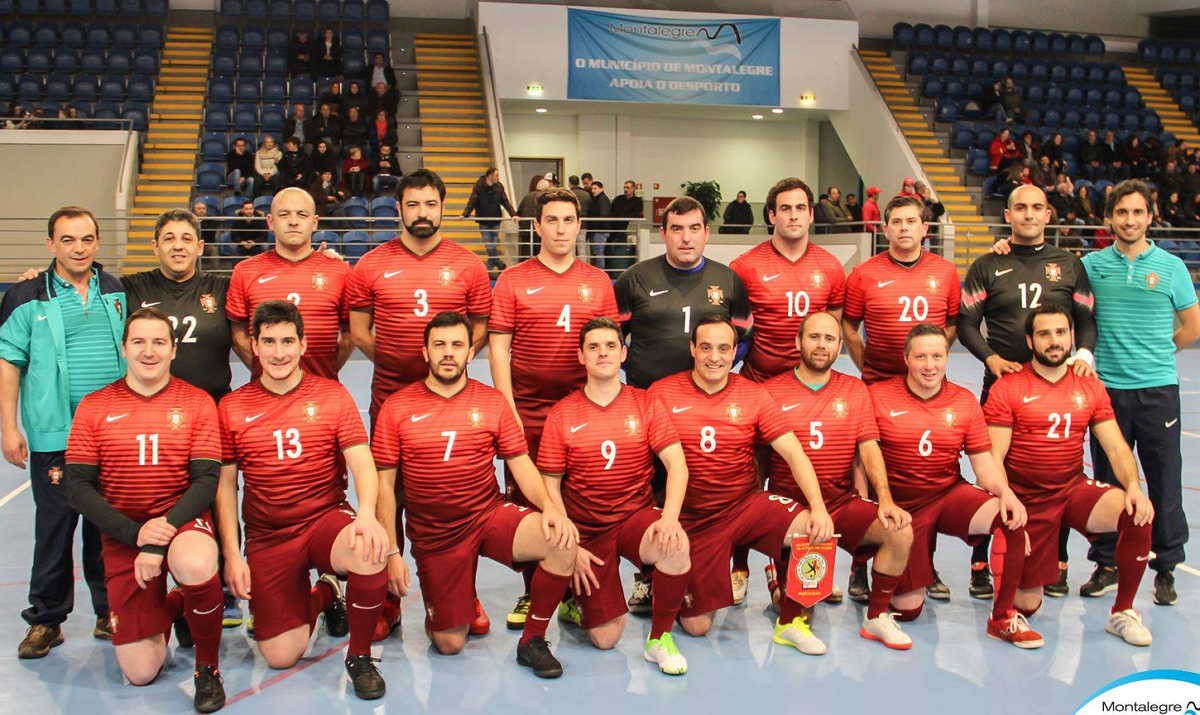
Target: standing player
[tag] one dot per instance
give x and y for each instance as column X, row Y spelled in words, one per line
column 720, row 418
column 434, row 444
column 1001, row 290
column 142, row 463
column 537, row 311
column 300, row 274
column 289, row 433
column 833, row 412
column 1037, row 418
column 1141, row 291
column 598, row 457
column 925, row 422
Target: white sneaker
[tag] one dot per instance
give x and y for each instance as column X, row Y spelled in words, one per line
column 883, row 628
column 1128, row 626
column 798, row 635
column 663, row 651
column 741, row 584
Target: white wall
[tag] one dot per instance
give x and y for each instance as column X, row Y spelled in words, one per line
column 1102, row 17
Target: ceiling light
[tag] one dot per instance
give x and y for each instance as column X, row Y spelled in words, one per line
column 777, row 110
column 756, row 116
column 541, row 110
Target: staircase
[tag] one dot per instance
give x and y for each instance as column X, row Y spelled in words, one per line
column 168, row 163
column 1158, row 99
column 946, row 174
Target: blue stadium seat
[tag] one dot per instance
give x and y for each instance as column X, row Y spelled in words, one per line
column 276, row 66
column 918, row 64
column 1091, row 119
column 273, row 90
column 12, row 60
column 1184, row 55
column 356, row 243
column 352, row 40
column 92, row 60
column 947, row 111
column 959, row 65
column 1112, row 120
column 227, row 37
column 210, row 176
column 216, row 118
column 145, row 63
column 58, row 88
column 256, row 9
column 141, row 89
column 1115, row 75
column 245, row 119
column 86, row 88
column 29, row 88
column 224, row 65
column 1058, row 73
column 1052, row 118
column 1113, row 97
column 956, row 89
column 943, row 37
column 130, row 8
column 124, row 35
column 1093, row 46
column 253, row 38
column 1095, row 74
column 72, row 36
column 1054, row 94
column 220, row 90
column 1148, row 51
column 1076, row 72
column 1093, row 97
column 20, row 34
column 280, row 9
column 273, row 118
column 38, row 59
column 1058, row 43
column 66, row 60
column 1151, row 122
column 1187, row 80
column 55, row 7
column 932, row 88
column 328, row 10
column 1072, row 119
column 377, row 11
column 230, row 204
column 214, row 147
column 1035, row 94
column 80, row 8
column 1019, row 69
column 112, row 90
column 377, row 41
column 118, row 60
column 305, row 10
column 353, row 11
column 225, row 245
column 1166, row 54
column 1169, row 80
column 106, row 8
column 964, row 138
column 964, row 38
column 248, row 90
column 332, row 238
column 1002, row 41
column 107, row 110
column 28, row 7
column 1039, row 42
column 8, row 88
column 1020, row 42
column 46, row 35
column 263, row 203
column 231, row 8
column 999, row 69
column 301, row 91
column 156, row 8
column 353, row 64
column 356, row 207
column 278, row 37
column 212, row 202
column 139, row 116
column 250, row 65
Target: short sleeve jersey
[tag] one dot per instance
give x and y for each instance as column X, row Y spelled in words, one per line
column 718, row 433
column 315, row 284
column 1048, row 421
column 891, row 299
column 781, row 293
column 830, row 423
column 444, row 449
column 543, row 311
column 289, row 448
column 404, row 291
column 144, row 445
column 921, row 439
column 605, row 455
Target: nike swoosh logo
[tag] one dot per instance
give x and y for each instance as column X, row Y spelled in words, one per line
column 41, row 317
column 1006, row 270
column 205, row 613
column 537, row 619
column 768, row 279
column 654, row 293
column 151, row 305
column 1030, row 398
column 389, row 274
column 677, row 410
column 531, row 291
column 251, row 418
column 366, row 608
column 418, row 418
column 266, row 279
column 895, row 413
column 884, row 284
column 786, row 408
column 114, row 418
column 1170, row 424
column 576, row 428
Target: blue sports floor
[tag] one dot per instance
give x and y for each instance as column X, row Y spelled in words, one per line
column 952, row 668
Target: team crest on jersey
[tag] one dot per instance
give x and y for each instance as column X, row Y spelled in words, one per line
column 474, row 416
column 1053, row 272
column 734, row 412
column 445, row 276
column 1151, row 280
column 632, row 424
column 55, row 474
column 585, row 292
column 208, row 303
column 948, row 417
column 933, row 283
column 319, row 280
column 175, row 417
column 716, row 296
column 817, row 279
column 1079, row 400
column 311, row 412
column 839, row 408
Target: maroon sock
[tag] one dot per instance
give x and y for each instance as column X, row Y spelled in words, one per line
column 174, row 602
column 527, row 577
column 741, row 558
column 790, row 610
column 365, row 594
column 319, row 598
column 858, row 561
column 883, row 587
column 545, row 592
column 669, row 590
column 1133, row 548
column 1014, row 565
column 203, row 607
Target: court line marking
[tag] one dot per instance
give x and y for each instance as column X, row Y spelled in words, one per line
column 1188, row 569
column 1190, row 434
column 304, row 664
column 14, row 493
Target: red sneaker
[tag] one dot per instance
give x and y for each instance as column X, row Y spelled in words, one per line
column 1015, row 629
column 482, row 624
column 389, row 619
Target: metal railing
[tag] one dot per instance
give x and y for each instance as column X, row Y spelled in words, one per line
column 1081, row 239
column 32, row 122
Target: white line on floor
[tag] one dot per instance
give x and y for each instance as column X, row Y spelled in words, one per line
column 1189, row 569
column 13, row 494
column 1190, row 434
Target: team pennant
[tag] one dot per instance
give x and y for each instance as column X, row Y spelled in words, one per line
column 811, row 568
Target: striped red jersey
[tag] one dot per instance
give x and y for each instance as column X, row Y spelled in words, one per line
column 404, row 291
column 289, row 448
column 781, row 293
column 1049, row 421
column 544, row 311
column 718, row 433
column 444, row 448
column 922, row 439
column 891, row 299
column 830, row 423
column 605, row 455
column 316, row 285
column 143, row 445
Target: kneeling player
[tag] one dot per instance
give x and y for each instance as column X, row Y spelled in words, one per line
column 289, row 432
column 1037, row 419
column 925, row 421
column 833, row 411
column 720, row 418
column 597, row 453
column 142, row 462
column 442, row 434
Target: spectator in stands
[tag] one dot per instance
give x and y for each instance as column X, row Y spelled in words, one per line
column 1085, row 208
column 871, row 216
column 1172, row 210
column 584, row 196
column 294, row 167
column 908, row 188
column 1062, row 198
column 487, row 200
column 934, row 210
column 1011, row 99
column 1007, row 180
column 1135, row 154
column 327, row 195
column 853, row 208
column 1170, row 180
column 266, row 164
column 529, row 244
column 1030, row 148
column 18, row 117
column 382, row 97
column 249, row 230
column 381, row 71
column 328, row 58
column 832, row 206
column 324, row 158
column 1091, row 158
column 333, row 96
column 1002, row 152
column 1044, row 175
column 294, row 126
column 324, row 126
column 596, row 230
column 738, row 216
column 991, row 103
column 1067, row 236
column 1192, row 213
column 1191, row 180
column 621, row 252
column 300, row 53
column 356, row 172
column 208, row 227
column 354, row 97
column 383, row 129
column 354, row 129
column 1054, row 150
column 385, row 169
column 239, row 162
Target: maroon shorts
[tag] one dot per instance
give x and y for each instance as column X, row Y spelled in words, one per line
column 608, row 599
column 448, row 576
column 279, row 578
column 533, row 439
column 139, row 613
column 1071, row 506
column 948, row 514
column 760, row 521
column 852, row 519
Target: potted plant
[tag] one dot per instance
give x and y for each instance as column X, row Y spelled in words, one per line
column 708, row 193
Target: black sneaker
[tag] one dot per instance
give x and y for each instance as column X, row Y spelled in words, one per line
column 183, row 633
column 641, row 601
column 1164, row 588
column 368, row 683
column 937, row 590
column 210, row 690
column 1103, row 580
column 536, row 655
column 859, row 590
column 981, row 582
column 337, row 624
column 1059, row 588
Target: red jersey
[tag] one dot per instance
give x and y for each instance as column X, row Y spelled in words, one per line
column 781, row 293
column 605, row 455
column 922, row 439
column 315, row 284
column 830, row 422
column 405, row 291
column 719, row 433
column 289, row 448
column 143, row 444
column 1048, row 422
column 891, row 299
column 544, row 310
column 443, row 448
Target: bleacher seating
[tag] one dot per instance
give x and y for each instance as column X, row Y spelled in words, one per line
column 922, row 36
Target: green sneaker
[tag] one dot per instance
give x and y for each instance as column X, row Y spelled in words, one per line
column 665, row 653
column 570, row 612
column 520, row 612
column 798, row 635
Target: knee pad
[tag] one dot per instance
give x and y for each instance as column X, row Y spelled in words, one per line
column 908, row 614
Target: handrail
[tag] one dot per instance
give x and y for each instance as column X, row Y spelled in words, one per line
column 495, row 116
column 123, row 123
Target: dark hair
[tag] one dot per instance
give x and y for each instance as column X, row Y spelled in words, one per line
column 447, row 319
column 1128, row 187
column 598, row 183
column 275, row 312
column 586, row 175
column 789, row 184
column 148, row 314
column 899, row 202
column 420, row 179
column 682, row 205
column 713, row 319
column 598, row 323
column 1047, row 309
column 176, row 215
column 922, row 330
column 71, row 212
column 573, row 180
column 565, row 196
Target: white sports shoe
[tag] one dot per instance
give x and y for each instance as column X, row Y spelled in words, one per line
column 1128, row 626
column 741, row 584
column 665, row 653
column 883, row 628
column 798, row 635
